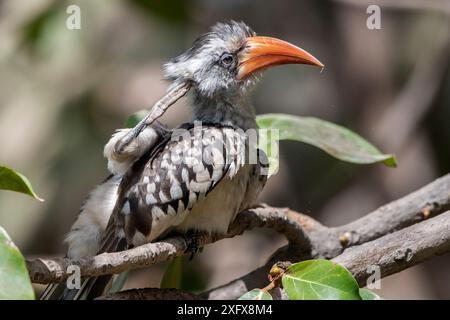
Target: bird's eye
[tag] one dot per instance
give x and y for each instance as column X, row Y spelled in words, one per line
column 227, row 60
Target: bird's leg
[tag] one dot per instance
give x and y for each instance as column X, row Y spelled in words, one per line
column 192, row 238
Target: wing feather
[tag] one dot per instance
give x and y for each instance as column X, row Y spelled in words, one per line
column 177, row 177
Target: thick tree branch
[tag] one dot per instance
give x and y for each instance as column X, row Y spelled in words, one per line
column 308, row 239
column 392, row 253
column 422, row 204
column 288, row 222
column 400, row 250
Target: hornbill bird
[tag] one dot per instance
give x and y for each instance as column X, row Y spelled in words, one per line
column 162, row 180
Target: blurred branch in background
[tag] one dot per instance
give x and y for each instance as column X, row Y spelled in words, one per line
column 415, row 99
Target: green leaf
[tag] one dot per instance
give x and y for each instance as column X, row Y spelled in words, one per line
column 134, row 119
column 119, row 282
column 319, row 280
column 15, row 282
column 366, row 294
column 173, row 276
column 14, row 181
column 268, row 142
column 337, row 141
column 256, row 294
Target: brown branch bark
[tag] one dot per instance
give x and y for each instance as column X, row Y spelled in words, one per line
column 283, row 220
column 151, row 294
column 399, row 250
column 307, row 239
column 392, row 253
column 422, row 204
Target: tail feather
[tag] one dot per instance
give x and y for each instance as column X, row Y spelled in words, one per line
column 53, row 291
column 96, row 286
column 93, row 287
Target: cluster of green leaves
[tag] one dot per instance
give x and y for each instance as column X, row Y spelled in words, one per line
column 316, row 280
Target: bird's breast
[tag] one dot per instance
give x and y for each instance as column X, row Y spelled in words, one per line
column 218, row 209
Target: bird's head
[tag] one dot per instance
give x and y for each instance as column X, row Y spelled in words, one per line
column 228, row 59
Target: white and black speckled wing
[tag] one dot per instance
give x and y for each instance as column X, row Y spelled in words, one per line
column 159, row 194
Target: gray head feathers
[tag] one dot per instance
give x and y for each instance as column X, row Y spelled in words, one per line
column 211, row 63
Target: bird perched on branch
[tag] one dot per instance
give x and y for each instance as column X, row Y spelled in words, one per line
column 192, row 179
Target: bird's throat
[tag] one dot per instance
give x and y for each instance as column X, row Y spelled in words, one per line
column 233, row 112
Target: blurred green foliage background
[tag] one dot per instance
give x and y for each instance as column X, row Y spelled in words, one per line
column 63, row 93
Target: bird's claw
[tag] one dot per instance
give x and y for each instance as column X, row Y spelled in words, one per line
column 192, row 239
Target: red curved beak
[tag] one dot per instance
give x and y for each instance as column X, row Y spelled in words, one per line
column 264, row 52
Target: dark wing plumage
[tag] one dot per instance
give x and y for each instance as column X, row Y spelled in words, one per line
column 183, row 171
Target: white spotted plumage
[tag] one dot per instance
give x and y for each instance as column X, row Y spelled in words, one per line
column 172, row 192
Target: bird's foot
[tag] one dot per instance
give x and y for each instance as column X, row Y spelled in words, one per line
column 192, row 238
